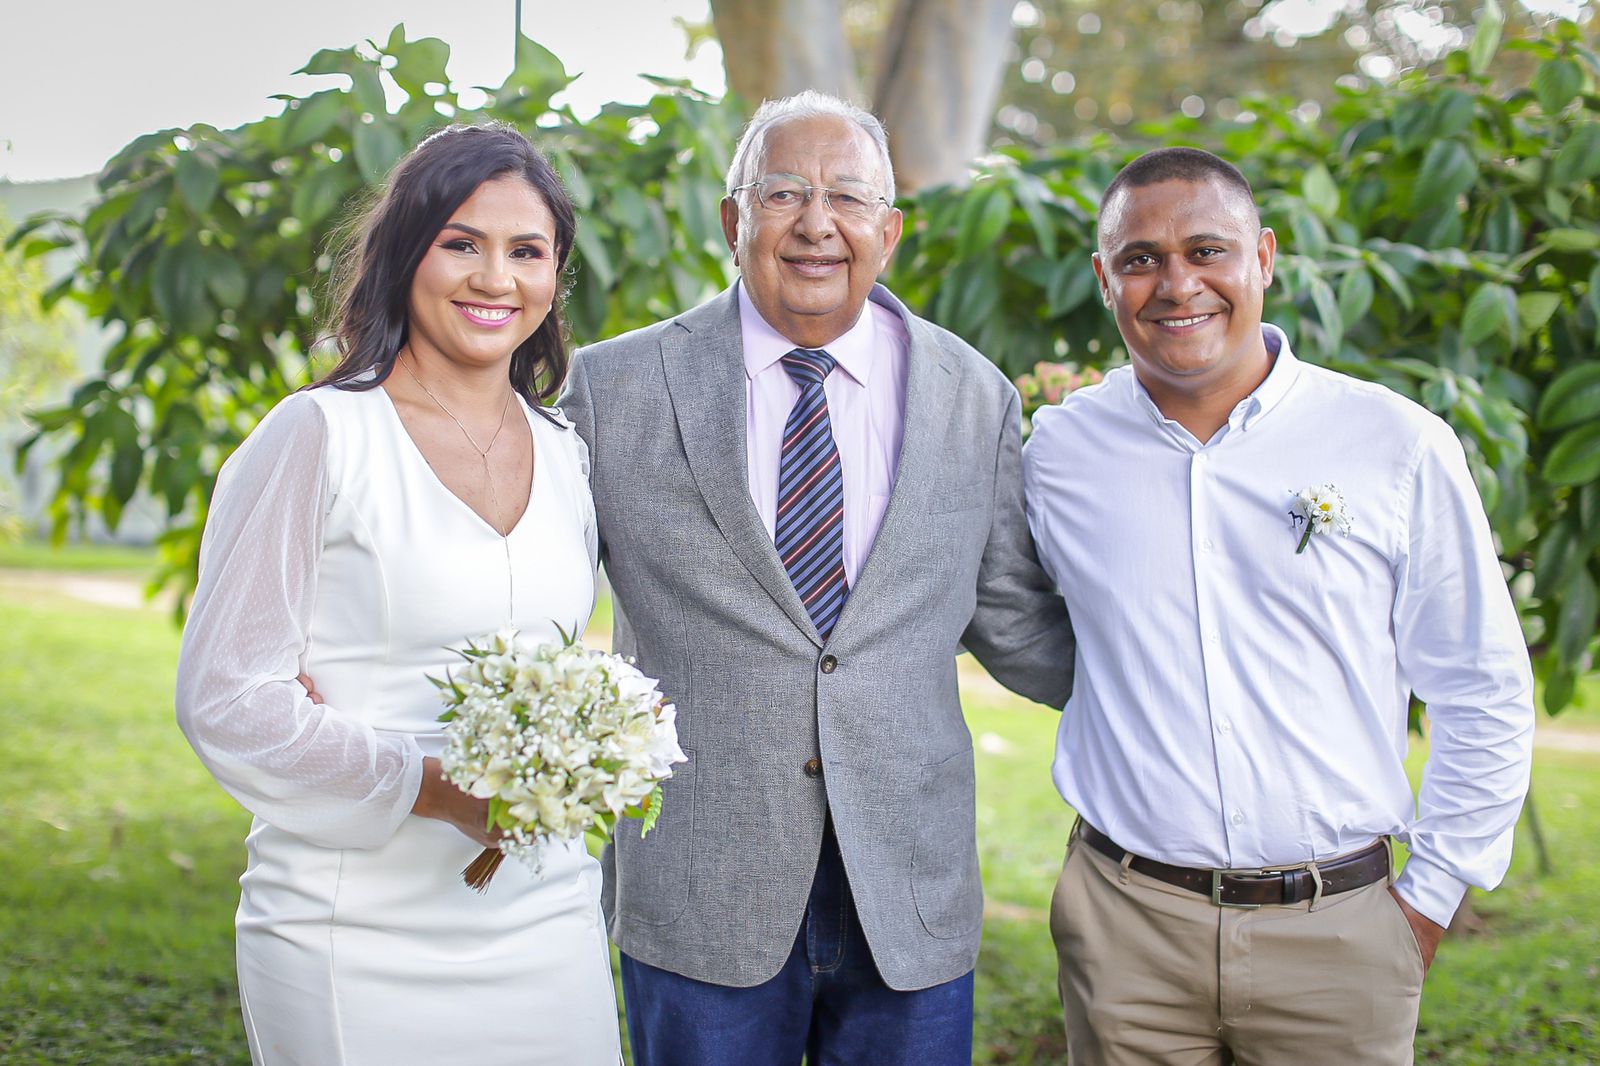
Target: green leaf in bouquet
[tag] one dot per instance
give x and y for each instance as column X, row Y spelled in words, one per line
column 651, row 811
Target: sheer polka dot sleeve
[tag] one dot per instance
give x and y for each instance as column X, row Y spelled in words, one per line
column 299, row 766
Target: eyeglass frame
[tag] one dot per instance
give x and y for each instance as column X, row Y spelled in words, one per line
column 810, row 191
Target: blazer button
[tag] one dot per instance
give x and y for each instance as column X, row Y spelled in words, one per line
column 813, row 767
column 829, row 664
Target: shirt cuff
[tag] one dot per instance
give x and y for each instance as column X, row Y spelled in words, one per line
column 1431, row 889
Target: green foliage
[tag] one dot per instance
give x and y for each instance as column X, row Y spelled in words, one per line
column 35, row 353
column 207, row 253
column 1438, row 235
column 1434, row 235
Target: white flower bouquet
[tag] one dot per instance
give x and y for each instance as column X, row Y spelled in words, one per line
column 561, row 740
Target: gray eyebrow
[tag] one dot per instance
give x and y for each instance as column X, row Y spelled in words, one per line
column 803, row 181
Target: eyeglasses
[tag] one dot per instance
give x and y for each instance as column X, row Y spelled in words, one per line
column 785, row 194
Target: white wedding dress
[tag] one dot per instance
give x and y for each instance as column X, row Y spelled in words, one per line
column 332, row 549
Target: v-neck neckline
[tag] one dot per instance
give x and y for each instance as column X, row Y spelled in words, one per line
column 415, row 449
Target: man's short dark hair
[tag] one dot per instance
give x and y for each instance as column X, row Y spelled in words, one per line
column 1177, row 164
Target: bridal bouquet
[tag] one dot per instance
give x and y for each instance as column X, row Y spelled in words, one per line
column 561, row 740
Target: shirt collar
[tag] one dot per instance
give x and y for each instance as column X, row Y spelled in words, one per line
column 855, row 350
column 1267, row 395
column 1280, row 379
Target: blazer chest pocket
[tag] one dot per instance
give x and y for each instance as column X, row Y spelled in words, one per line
column 944, row 857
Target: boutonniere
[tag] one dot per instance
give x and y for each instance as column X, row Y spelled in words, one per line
column 1321, row 509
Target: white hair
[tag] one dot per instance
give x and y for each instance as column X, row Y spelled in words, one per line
column 750, row 154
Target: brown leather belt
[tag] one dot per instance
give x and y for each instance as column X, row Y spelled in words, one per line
column 1255, row 888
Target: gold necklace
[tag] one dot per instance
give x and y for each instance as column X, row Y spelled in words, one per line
column 494, row 499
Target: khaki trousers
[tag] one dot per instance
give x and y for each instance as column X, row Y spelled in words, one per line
column 1155, row 974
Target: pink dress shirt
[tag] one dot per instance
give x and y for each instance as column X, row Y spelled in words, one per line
column 866, row 406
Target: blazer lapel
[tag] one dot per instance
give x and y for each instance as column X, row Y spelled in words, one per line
column 704, row 366
column 932, row 377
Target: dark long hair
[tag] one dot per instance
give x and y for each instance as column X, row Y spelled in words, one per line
column 382, row 250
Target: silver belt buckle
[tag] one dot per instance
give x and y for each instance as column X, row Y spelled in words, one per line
column 1216, row 887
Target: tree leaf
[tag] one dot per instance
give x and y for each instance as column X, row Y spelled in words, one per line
column 1485, row 37
column 1317, row 186
column 593, row 257
column 416, row 62
column 1310, row 235
column 316, row 194
column 1572, row 397
column 311, row 119
column 983, row 219
column 198, row 181
column 1568, row 239
column 1579, row 158
column 1391, row 278
column 331, row 61
column 1452, row 113
column 1556, row 83
column 178, row 285
column 1072, row 282
column 1355, row 295
column 226, row 279
column 1484, row 314
column 1502, row 229
column 1575, row 459
column 1575, row 624
column 538, row 74
column 1327, row 306
column 1412, row 124
column 1533, row 311
column 127, row 458
column 1448, row 170
column 1559, row 688
column 377, row 146
column 1033, row 206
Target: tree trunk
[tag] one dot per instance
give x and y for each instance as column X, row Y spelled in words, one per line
column 773, row 48
column 938, row 82
column 939, row 74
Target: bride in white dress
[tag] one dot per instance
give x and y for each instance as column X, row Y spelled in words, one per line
column 415, row 498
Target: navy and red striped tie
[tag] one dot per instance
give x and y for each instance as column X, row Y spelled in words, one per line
column 809, row 531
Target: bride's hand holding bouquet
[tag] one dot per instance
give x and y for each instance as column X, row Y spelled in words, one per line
column 557, row 739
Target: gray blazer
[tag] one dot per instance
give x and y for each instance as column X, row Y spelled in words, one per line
column 718, row 890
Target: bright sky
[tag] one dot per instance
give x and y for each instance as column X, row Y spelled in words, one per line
column 81, row 78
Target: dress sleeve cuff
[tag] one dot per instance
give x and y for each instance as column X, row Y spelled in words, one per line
column 1431, row 890
column 410, row 784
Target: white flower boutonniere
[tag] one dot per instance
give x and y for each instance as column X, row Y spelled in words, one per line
column 1321, row 509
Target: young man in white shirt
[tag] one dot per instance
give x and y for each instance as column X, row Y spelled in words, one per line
column 1263, row 560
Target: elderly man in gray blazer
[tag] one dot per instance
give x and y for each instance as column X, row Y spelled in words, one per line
column 809, row 500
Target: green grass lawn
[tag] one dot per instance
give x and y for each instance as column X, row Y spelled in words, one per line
column 83, row 558
column 121, row 856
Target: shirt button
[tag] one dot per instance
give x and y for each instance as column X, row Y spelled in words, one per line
column 1214, row 637
column 1207, row 544
column 1225, row 727
column 1237, row 818
column 813, row 768
column 829, row 664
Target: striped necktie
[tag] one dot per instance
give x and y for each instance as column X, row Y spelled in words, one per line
column 809, row 530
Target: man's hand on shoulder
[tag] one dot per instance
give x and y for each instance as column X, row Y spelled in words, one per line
column 1427, row 931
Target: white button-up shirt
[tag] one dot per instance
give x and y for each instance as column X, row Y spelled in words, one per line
column 1241, row 705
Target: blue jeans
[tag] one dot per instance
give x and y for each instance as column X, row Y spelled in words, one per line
column 827, row 1003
